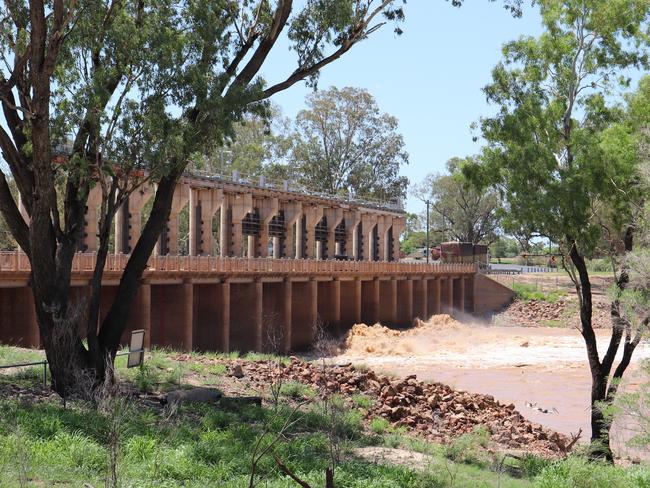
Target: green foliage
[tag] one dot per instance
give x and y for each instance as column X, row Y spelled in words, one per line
column 555, row 148
column 527, row 291
column 460, row 210
column 297, row 390
column 343, row 142
column 380, row 425
column 466, row 448
column 600, row 265
column 577, row 472
column 362, row 401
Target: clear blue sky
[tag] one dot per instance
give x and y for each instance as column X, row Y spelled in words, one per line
column 430, row 77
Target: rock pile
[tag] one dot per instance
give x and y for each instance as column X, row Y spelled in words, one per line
column 432, row 410
column 562, row 313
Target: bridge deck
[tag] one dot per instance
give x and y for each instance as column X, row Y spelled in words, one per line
column 15, row 265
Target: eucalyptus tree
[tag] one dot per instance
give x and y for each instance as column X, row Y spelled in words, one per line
column 343, row 143
column 139, row 88
column 461, row 210
column 552, row 152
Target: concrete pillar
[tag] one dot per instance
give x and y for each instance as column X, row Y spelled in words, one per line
column 424, row 287
column 90, row 240
column 277, row 243
column 356, row 245
column 204, row 203
column 386, row 245
column 225, row 316
column 224, row 229
column 287, row 311
column 142, row 312
column 195, row 223
column 399, row 224
column 337, row 249
column 122, row 219
column 357, row 301
column 292, row 215
column 409, row 300
column 319, row 250
column 352, row 219
column 461, row 298
column 368, row 221
column 336, row 303
column 268, row 208
column 381, row 238
column 188, row 316
column 313, row 215
column 375, row 300
column 437, row 296
column 259, row 324
column 180, row 199
column 298, row 239
column 252, row 247
column 313, row 307
column 450, row 295
column 334, row 218
column 242, row 205
column 393, row 301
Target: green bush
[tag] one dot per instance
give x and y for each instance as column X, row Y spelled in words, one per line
column 527, row 291
column 465, row 449
column 602, row 265
column 577, row 472
column 379, row 425
column 297, row 390
column 362, row 401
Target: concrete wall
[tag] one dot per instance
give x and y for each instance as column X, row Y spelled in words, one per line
column 18, row 318
column 268, row 314
column 489, row 295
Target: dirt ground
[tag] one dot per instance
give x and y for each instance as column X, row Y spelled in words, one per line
column 542, row 370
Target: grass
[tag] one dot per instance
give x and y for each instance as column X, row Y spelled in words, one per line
column 528, row 292
column 44, row 444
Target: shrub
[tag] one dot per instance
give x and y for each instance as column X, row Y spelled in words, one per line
column 527, row 291
column 577, row 472
column 362, row 401
column 297, row 390
column 465, row 449
column 379, row 425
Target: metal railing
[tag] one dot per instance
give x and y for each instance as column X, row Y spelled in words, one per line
column 16, row 261
column 292, row 186
column 44, row 363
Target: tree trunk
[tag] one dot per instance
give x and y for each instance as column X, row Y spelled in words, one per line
column 600, row 426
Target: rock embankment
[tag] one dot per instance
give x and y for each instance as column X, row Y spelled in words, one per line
column 431, row 410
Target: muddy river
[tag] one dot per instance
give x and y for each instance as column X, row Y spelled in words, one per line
column 538, row 369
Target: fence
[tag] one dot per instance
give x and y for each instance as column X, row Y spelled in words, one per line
column 16, row 261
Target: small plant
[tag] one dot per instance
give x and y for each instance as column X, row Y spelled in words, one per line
column 528, row 292
column 218, row 369
column 147, row 378
column 465, row 449
column 362, row 401
column 296, row 390
column 380, row 425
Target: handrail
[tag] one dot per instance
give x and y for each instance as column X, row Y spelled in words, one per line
column 17, row 261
